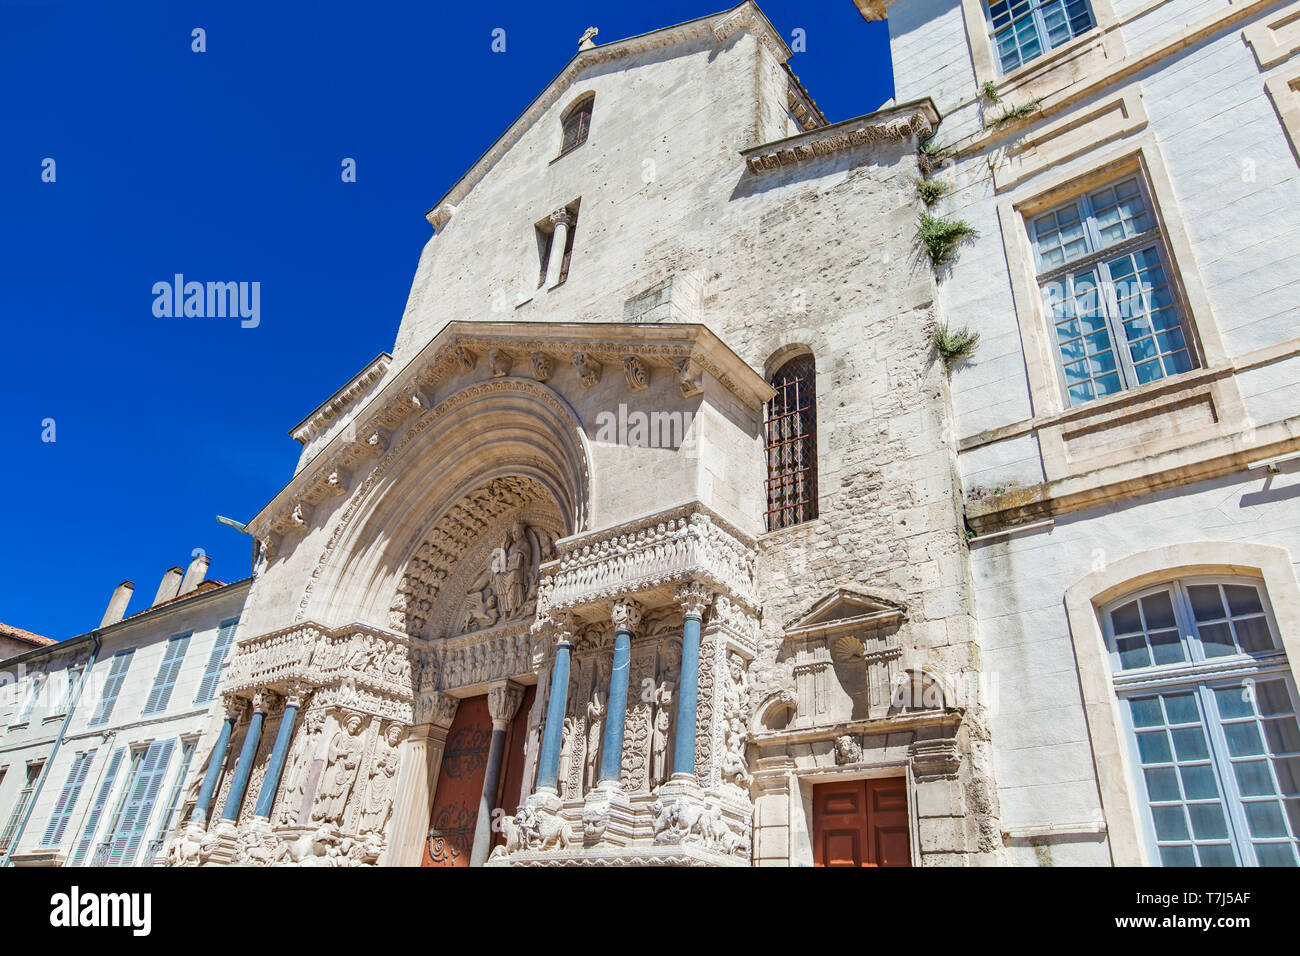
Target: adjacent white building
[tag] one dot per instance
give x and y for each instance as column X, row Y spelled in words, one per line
column 103, row 735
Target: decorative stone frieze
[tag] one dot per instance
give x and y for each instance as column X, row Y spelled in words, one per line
column 686, row 544
column 637, row 374
column 916, row 120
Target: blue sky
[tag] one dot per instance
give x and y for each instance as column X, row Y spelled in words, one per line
column 225, row 165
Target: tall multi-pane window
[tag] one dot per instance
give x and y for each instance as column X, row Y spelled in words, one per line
column 68, row 797
column 1210, row 712
column 1108, row 292
column 1024, row 30
column 82, row 850
column 576, row 124
column 24, row 797
column 790, row 432
column 71, row 678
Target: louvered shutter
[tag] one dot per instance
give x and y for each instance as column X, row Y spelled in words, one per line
column 172, row 807
column 139, row 805
column 67, row 799
column 97, row 810
column 165, row 679
column 216, row 661
column 112, row 687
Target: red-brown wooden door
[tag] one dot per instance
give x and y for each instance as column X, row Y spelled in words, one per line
column 861, row 823
column 460, row 781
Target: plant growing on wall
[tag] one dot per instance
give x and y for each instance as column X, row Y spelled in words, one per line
column 941, row 237
column 931, row 154
column 953, row 344
column 930, row 190
column 1016, row 112
column 990, row 92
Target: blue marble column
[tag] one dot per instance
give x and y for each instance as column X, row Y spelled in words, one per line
column 217, row 761
column 244, row 767
column 693, row 599
column 548, row 762
column 627, row 616
column 275, row 766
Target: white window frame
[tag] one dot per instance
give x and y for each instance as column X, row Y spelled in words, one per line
column 1040, row 28
column 1097, row 258
column 1200, row 675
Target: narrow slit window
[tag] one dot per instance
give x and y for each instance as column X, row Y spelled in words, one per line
column 791, row 445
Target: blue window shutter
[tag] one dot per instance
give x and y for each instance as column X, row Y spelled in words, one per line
column 216, row 661
column 67, row 799
column 139, row 806
column 112, row 687
column 165, row 680
column 97, row 809
column 173, row 805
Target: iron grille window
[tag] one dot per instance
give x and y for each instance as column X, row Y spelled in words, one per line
column 577, row 123
column 791, row 440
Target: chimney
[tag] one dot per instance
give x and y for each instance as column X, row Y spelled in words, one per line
column 117, row 603
column 171, row 584
column 195, row 573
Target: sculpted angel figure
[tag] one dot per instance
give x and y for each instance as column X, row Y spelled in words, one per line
column 341, row 775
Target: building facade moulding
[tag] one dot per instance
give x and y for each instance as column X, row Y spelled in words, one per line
column 648, row 557
column 896, row 124
column 389, row 421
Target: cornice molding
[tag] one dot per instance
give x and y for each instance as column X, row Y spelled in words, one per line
column 896, row 124
column 454, row 350
column 336, row 404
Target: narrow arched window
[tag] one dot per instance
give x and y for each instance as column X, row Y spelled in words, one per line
column 576, row 123
column 791, row 441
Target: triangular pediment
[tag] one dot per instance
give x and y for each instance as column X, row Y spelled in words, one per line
column 716, row 28
column 843, row 610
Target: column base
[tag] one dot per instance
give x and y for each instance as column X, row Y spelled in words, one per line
column 225, row 843
column 607, row 817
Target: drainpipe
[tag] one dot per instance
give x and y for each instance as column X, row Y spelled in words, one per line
column 54, row 751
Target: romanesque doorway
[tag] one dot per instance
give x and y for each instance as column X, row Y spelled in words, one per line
column 460, row 780
column 861, row 823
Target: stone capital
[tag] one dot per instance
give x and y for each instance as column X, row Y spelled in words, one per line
column 693, row 598
column 295, row 693
column 504, row 698
column 561, row 217
column 433, row 707
column 235, row 707
column 626, row 614
column 263, row 700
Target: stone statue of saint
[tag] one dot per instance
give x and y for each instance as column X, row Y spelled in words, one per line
column 663, row 724
column 383, row 780
column 566, row 757
column 341, row 772
column 595, row 726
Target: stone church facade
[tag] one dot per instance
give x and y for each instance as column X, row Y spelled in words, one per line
column 664, row 536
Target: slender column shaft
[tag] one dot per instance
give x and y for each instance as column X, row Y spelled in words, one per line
column 688, row 696
column 559, row 239
column 611, row 757
column 491, row 780
column 235, row 799
column 210, row 778
column 548, row 763
column 271, row 782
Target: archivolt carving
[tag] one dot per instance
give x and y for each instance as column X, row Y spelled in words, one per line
column 453, row 533
column 547, row 398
